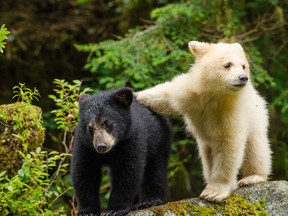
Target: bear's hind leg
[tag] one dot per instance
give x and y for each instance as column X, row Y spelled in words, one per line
column 257, row 162
column 154, row 183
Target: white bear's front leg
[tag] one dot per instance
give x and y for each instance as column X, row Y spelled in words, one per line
column 157, row 98
column 216, row 193
column 226, row 162
column 205, row 155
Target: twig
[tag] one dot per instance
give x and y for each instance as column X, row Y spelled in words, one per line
column 151, row 28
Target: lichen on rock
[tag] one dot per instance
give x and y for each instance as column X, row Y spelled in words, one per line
column 21, row 129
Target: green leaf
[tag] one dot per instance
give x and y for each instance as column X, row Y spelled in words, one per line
column 3, row 36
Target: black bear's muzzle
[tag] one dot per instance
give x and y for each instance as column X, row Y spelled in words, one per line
column 102, row 148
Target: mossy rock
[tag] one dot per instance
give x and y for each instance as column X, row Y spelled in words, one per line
column 270, row 198
column 234, row 205
column 21, row 129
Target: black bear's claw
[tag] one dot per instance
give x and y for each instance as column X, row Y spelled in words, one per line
column 147, row 204
column 120, row 212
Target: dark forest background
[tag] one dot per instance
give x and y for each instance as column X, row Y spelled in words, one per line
column 139, row 43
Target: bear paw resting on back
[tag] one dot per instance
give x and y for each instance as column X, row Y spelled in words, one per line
column 224, row 112
column 116, row 131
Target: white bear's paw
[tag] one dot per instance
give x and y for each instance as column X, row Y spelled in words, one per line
column 215, row 194
column 136, row 94
column 141, row 96
column 250, row 180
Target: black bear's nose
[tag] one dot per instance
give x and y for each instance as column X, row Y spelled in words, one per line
column 101, row 147
column 243, row 78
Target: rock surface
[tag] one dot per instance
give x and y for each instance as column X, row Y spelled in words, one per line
column 270, row 198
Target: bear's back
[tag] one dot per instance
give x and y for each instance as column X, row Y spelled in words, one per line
column 150, row 125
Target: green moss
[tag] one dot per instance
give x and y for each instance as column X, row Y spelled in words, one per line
column 260, row 183
column 238, row 205
column 21, row 129
column 232, row 206
column 183, row 208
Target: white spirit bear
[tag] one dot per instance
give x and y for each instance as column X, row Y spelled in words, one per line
column 224, row 113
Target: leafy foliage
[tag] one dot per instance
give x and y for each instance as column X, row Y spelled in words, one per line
column 66, row 99
column 25, row 94
column 21, row 129
column 3, row 36
column 156, row 53
column 33, row 191
column 282, row 102
column 39, row 184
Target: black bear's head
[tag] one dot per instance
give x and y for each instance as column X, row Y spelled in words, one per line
column 105, row 117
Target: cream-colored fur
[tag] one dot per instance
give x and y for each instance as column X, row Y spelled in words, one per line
column 228, row 121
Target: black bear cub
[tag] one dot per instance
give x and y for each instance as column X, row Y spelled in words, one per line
column 116, row 131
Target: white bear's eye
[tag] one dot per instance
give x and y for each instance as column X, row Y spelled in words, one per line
column 228, row 65
column 243, row 66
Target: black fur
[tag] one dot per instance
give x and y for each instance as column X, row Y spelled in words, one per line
column 138, row 162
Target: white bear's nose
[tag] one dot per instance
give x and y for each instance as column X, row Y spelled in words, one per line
column 243, row 79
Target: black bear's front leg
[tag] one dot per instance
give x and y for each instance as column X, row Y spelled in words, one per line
column 86, row 178
column 126, row 181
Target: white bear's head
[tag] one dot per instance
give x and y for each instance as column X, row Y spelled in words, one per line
column 220, row 66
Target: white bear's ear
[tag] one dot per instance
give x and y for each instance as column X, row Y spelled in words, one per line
column 238, row 45
column 198, row 49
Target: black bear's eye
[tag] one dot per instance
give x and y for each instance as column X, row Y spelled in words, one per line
column 228, row 65
column 90, row 129
column 107, row 126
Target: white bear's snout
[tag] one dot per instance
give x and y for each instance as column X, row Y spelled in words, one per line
column 243, row 78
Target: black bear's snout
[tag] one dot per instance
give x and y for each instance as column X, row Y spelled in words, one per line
column 243, row 79
column 101, row 148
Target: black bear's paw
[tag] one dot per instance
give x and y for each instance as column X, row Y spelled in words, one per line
column 88, row 214
column 119, row 212
column 147, row 204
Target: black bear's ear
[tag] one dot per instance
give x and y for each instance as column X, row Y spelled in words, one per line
column 123, row 97
column 83, row 98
